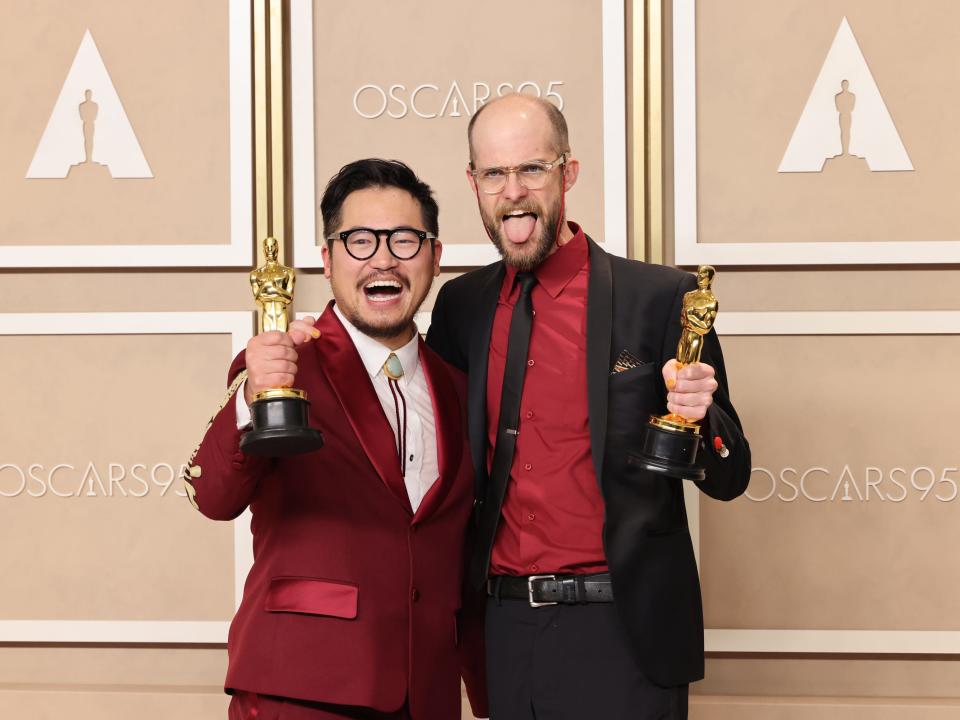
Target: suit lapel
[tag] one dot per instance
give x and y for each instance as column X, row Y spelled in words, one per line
column 599, row 330
column 340, row 362
column 478, row 360
column 449, row 428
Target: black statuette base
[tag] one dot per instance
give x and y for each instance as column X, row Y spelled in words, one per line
column 280, row 428
column 671, row 453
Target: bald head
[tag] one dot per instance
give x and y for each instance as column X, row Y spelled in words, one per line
column 523, row 112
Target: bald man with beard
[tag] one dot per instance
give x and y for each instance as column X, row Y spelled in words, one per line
column 593, row 604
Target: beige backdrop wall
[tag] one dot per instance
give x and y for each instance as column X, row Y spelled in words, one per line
column 99, row 393
column 117, row 594
column 407, row 88
column 123, row 299
column 830, row 589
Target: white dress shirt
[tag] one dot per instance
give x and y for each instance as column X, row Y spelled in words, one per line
column 422, row 466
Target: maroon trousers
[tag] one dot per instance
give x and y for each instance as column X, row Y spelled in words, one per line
column 250, row 706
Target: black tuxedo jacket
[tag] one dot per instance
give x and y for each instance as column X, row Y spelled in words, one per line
column 636, row 307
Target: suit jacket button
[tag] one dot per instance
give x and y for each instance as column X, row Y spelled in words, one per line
column 415, row 595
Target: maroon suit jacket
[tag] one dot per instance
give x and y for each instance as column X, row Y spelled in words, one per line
column 353, row 599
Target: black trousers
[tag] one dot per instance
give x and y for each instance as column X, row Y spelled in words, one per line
column 568, row 662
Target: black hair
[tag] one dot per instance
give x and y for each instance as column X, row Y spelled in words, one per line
column 375, row 172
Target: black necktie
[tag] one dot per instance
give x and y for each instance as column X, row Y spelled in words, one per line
column 518, row 343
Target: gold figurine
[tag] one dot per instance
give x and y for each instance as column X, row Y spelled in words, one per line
column 670, row 442
column 272, row 285
column 279, row 415
column 697, row 317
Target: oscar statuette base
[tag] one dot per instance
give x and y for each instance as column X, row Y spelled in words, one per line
column 670, row 446
column 280, row 425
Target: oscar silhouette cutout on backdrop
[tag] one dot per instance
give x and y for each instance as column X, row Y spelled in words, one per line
column 868, row 137
column 88, row 110
column 88, row 132
column 88, row 113
column 845, row 102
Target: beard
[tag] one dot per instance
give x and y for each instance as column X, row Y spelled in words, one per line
column 540, row 244
column 376, row 326
column 379, row 332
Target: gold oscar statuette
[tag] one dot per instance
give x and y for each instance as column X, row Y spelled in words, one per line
column 671, row 441
column 279, row 415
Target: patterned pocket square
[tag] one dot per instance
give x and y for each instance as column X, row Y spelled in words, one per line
column 626, row 361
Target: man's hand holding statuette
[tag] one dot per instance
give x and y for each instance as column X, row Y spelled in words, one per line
column 272, row 357
column 690, row 390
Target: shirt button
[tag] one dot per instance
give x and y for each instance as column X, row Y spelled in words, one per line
column 531, row 517
column 529, row 414
column 415, row 595
column 530, row 363
column 528, row 466
column 534, row 567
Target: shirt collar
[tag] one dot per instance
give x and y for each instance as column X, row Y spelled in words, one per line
column 374, row 354
column 560, row 267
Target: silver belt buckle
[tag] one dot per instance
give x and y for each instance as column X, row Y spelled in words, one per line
column 530, row 580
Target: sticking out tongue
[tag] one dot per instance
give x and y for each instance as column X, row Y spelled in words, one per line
column 519, row 228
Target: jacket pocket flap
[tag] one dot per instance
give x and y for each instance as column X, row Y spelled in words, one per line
column 312, row 596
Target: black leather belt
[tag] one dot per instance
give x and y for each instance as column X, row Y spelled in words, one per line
column 540, row 590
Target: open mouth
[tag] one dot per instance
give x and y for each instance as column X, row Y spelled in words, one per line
column 382, row 290
column 519, row 225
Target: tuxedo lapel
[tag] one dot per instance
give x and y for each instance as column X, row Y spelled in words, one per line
column 340, row 362
column 599, row 332
column 449, row 428
column 477, row 387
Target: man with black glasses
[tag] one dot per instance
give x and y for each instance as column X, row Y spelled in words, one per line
column 594, row 602
column 353, row 606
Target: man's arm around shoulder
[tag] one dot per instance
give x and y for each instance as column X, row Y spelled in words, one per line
column 443, row 337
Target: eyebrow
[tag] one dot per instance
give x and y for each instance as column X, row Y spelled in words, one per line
column 522, row 162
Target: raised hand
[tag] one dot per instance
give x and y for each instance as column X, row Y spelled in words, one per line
column 271, row 357
column 690, row 389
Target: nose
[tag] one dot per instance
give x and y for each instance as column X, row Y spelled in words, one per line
column 383, row 259
column 514, row 189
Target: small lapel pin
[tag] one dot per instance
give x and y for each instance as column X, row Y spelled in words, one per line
column 722, row 450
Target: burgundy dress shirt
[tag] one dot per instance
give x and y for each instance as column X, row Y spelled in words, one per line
column 553, row 511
